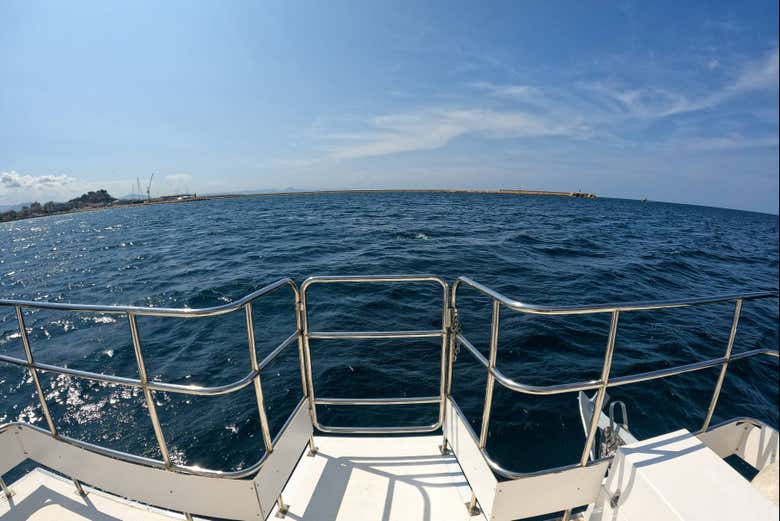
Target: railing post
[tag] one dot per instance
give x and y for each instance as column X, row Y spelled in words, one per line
column 34, row 372
column 250, row 330
column 7, row 491
column 304, row 366
column 448, row 392
column 281, row 508
column 445, row 329
column 266, row 430
column 489, row 385
column 599, row 403
column 39, row 390
column 307, row 353
column 491, row 379
column 158, row 432
column 139, row 358
column 724, row 367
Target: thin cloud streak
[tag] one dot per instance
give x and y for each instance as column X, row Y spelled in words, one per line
column 429, row 129
column 657, row 103
column 730, row 142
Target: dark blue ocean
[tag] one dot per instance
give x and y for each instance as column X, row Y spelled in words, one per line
column 544, row 250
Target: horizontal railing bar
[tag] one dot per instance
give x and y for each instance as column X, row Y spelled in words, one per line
column 196, row 390
column 431, row 333
column 378, row 430
column 97, row 377
column 152, row 311
column 87, row 375
column 199, row 390
column 13, row 360
column 133, row 382
column 606, row 308
column 754, row 352
column 325, row 279
column 273, row 354
column 510, row 303
column 378, row 401
column 227, row 388
column 513, row 385
column 594, row 384
column 663, row 373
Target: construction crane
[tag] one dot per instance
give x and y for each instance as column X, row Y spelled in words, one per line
column 149, row 188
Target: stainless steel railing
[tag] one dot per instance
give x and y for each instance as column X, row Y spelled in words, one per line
column 148, row 386
column 442, row 332
column 604, row 381
column 450, row 335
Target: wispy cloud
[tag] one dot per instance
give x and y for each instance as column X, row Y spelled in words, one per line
column 507, row 91
column 428, row 129
column 729, row 142
column 656, row 103
column 642, row 103
column 527, row 111
column 758, row 75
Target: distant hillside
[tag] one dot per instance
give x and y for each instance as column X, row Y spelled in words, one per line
column 95, row 199
column 99, row 198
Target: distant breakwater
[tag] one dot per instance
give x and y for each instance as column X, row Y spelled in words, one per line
column 584, row 195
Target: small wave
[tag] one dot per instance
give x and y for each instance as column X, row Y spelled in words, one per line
column 102, row 320
column 524, row 238
column 419, row 236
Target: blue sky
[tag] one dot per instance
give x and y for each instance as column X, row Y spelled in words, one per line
column 672, row 101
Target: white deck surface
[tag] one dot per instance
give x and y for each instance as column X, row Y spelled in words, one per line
column 675, row 477
column 349, row 479
column 42, row 496
column 378, row 479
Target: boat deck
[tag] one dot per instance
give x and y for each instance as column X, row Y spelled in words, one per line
column 383, row 479
column 349, row 478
